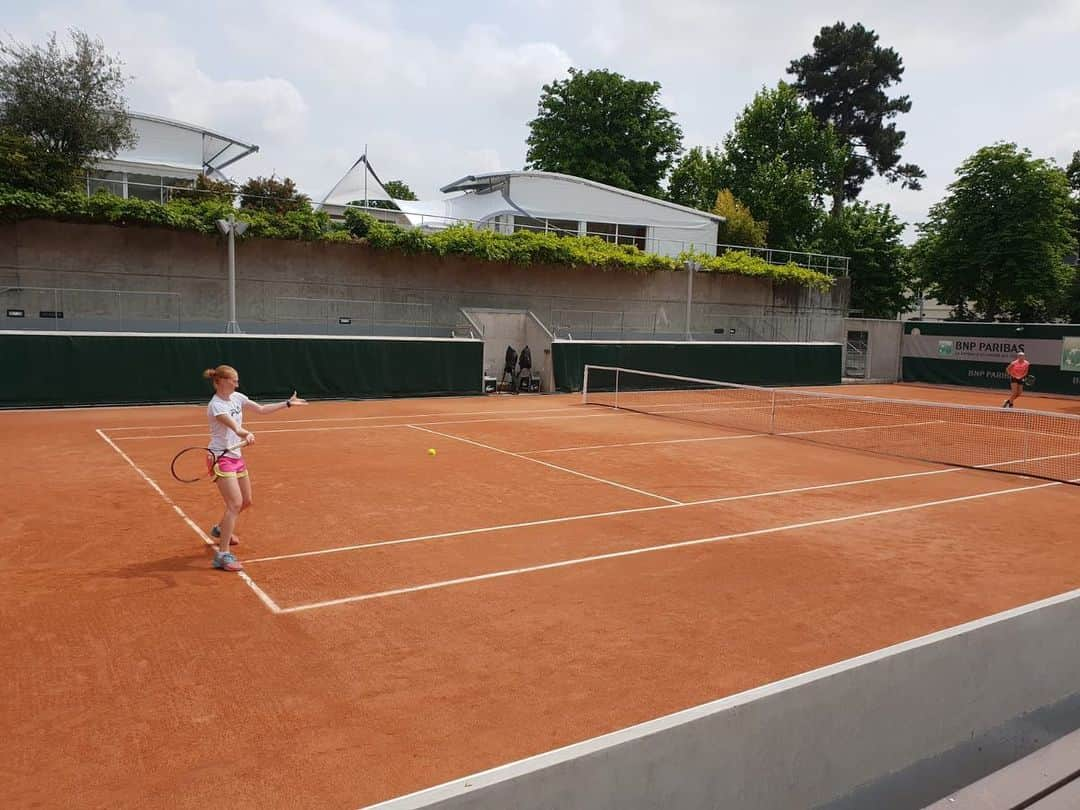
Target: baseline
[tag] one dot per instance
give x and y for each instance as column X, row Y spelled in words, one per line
column 259, row 592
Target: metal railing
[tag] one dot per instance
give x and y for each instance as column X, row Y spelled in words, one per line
column 360, row 316
column 73, row 308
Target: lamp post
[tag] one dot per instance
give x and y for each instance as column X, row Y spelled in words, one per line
column 232, row 228
column 691, row 267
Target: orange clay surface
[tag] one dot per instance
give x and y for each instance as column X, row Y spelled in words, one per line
column 135, row 676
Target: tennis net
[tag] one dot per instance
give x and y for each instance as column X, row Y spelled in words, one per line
column 1021, row 442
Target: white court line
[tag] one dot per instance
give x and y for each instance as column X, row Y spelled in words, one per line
column 259, row 592
column 362, row 427
column 345, row 418
column 736, row 436
column 665, row 547
column 640, row 444
column 545, row 464
column 594, row 515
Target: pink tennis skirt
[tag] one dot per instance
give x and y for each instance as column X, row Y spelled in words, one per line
column 229, row 467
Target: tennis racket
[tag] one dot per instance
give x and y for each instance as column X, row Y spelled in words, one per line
column 1029, row 380
column 197, row 463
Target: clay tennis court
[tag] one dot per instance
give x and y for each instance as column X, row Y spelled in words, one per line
column 557, row 571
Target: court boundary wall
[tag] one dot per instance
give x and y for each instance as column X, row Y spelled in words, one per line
column 749, row 363
column 110, row 368
column 808, row 740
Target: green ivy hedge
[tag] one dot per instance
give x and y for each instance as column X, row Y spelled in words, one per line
column 523, row 247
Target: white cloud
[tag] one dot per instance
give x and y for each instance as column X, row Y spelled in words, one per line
column 437, row 93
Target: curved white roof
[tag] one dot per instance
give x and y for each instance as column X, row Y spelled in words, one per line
column 490, row 180
column 163, row 142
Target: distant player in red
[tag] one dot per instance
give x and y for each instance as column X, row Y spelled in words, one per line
column 1017, row 371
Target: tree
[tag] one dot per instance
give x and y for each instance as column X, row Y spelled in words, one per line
column 778, row 160
column 399, row 190
column 1000, row 236
column 697, row 178
column 740, row 227
column 871, row 237
column 1071, row 310
column 271, row 194
column 599, row 125
column 844, row 81
column 70, row 104
column 26, row 165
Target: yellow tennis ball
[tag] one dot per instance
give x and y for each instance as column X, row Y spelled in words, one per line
column 431, row 451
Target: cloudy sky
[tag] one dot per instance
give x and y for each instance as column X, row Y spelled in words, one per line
column 439, row 90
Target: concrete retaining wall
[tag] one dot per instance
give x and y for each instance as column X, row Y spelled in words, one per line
column 299, row 287
column 808, row 740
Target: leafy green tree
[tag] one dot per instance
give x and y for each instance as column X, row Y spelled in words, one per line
column 1000, row 236
column 69, row 104
column 778, row 160
column 1071, row 309
column 844, row 81
column 273, row 195
column 697, row 178
column 602, row 126
column 399, row 190
column 880, row 276
column 25, row 164
column 739, row 227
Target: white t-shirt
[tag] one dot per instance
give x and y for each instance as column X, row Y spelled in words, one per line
column 221, row 435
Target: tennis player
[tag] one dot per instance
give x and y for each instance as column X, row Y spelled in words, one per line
column 1017, row 371
column 225, row 414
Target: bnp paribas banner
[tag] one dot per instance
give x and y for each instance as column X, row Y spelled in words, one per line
column 977, row 354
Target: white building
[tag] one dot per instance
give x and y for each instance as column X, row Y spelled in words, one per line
column 168, row 154
column 542, row 201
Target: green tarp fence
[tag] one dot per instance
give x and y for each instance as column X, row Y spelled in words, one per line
column 97, row 369
column 746, row 363
column 976, row 354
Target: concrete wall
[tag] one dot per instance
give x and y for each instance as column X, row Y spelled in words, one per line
column 809, row 740
column 384, row 288
column 883, row 347
column 517, row 328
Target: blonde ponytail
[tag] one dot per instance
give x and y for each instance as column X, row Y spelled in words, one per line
column 221, row 371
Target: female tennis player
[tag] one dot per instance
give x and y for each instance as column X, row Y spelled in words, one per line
column 225, row 414
column 1017, row 371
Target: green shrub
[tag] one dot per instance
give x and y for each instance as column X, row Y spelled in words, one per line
column 522, row 248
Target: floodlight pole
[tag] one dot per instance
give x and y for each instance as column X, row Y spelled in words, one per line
column 232, row 228
column 691, row 266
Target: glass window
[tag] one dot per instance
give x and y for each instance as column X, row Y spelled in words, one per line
column 559, row 227
column 605, row 230
column 527, row 224
column 619, row 233
column 632, row 235
column 111, row 182
column 171, row 184
column 145, row 187
column 563, row 227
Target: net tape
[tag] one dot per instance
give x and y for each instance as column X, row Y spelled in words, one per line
column 1010, row 440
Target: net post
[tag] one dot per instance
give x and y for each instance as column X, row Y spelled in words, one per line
column 617, row 388
column 772, row 411
column 585, row 386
